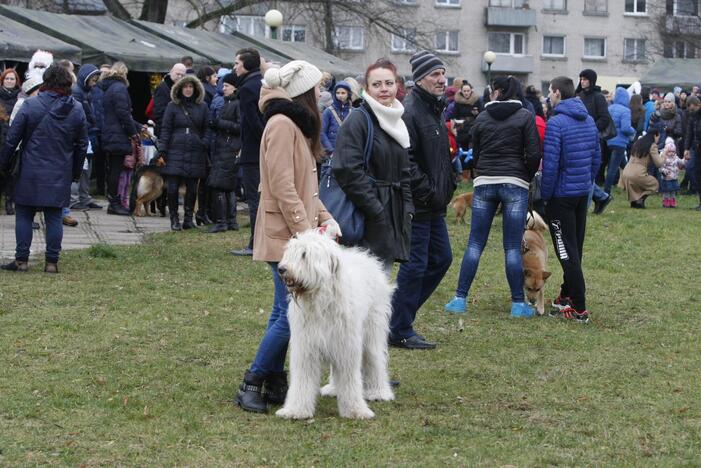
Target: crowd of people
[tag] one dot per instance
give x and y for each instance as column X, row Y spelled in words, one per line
column 396, row 148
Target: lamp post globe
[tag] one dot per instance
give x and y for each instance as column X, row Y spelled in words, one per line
column 273, row 18
column 489, row 58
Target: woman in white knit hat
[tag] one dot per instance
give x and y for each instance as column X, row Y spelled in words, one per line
column 289, row 203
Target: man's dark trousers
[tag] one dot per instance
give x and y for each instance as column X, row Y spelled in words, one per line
column 251, row 181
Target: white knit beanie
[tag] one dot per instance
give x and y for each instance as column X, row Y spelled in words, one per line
column 669, row 97
column 296, row 77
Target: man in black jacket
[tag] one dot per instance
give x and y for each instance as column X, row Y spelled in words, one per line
column 161, row 97
column 692, row 140
column 432, row 185
column 598, row 108
column 247, row 68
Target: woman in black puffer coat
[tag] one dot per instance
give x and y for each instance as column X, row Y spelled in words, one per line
column 182, row 146
column 227, row 143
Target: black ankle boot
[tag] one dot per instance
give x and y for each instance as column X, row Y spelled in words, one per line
column 202, row 218
column 276, row 388
column 175, row 223
column 250, row 394
column 187, row 222
column 115, row 207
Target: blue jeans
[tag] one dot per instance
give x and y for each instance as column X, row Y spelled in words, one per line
column 514, row 202
column 617, row 155
column 596, row 194
column 273, row 347
column 429, row 260
column 53, row 217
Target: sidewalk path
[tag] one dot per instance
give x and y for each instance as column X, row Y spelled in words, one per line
column 94, row 227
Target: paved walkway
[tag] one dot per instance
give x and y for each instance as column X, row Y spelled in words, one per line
column 94, row 227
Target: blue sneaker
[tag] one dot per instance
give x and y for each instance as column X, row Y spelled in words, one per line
column 521, row 309
column 456, row 306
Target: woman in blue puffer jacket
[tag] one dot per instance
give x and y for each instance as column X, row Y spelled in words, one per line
column 620, row 114
column 54, row 135
column 335, row 115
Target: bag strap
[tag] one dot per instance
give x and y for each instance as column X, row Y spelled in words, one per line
column 336, row 116
column 367, row 153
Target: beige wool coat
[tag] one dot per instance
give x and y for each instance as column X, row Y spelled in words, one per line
column 289, row 188
column 635, row 180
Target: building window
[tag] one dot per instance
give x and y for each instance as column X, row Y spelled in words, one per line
column 554, row 46
column 451, row 3
column 680, row 49
column 507, row 3
column 554, row 4
column 405, row 2
column 350, row 37
column 251, row 25
column 596, row 6
column 594, row 47
column 404, row 42
column 447, row 41
column 507, row 43
column 636, row 6
column 684, row 8
column 293, row 33
column 634, row 50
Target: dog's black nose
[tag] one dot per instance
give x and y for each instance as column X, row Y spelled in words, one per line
column 281, row 270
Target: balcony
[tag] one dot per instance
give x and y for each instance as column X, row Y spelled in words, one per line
column 511, row 17
column 511, row 64
column 683, row 25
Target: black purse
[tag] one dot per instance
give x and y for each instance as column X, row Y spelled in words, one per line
column 349, row 218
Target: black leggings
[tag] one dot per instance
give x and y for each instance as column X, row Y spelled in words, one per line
column 190, row 193
column 115, row 163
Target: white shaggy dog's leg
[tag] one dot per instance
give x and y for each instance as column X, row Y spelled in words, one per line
column 375, row 357
column 305, row 373
column 330, row 388
column 349, row 383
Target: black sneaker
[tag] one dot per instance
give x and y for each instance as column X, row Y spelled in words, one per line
column 558, row 305
column 599, row 207
column 570, row 314
column 415, row 342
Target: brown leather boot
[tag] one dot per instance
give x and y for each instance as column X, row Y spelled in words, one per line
column 50, row 267
column 16, row 265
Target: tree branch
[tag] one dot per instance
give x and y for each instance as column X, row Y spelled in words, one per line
column 117, row 9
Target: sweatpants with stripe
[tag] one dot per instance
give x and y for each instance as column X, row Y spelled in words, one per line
column 567, row 220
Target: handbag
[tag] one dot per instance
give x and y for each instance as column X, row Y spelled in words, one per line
column 610, row 131
column 350, row 219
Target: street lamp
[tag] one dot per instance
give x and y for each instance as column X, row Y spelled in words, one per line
column 489, row 58
column 273, row 18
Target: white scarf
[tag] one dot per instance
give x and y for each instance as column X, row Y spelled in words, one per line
column 390, row 119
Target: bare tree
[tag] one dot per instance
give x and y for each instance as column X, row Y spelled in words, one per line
column 675, row 29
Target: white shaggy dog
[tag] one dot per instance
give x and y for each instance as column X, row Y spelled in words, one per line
column 339, row 315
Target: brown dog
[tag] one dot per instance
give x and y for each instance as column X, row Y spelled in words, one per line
column 148, row 188
column 460, row 204
column 534, row 252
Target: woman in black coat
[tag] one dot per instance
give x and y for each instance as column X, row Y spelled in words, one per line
column 227, row 143
column 119, row 131
column 382, row 192
column 182, row 146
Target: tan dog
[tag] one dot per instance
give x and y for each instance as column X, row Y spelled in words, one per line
column 534, row 252
column 460, row 204
column 148, row 189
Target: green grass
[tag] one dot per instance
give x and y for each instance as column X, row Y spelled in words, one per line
column 134, row 360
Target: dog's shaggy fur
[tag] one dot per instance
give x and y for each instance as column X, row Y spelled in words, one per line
column 535, row 259
column 339, row 313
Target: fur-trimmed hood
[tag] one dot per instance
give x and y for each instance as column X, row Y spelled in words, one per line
column 110, row 76
column 471, row 101
column 176, row 91
column 275, row 101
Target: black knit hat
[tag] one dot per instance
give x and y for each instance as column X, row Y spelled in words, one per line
column 423, row 63
column 231, row 79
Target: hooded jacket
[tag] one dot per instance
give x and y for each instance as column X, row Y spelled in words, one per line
column 432, row 180
column 505, row 141
column 620, row 113
column 8, row 98
column 227, row 143
column 82, row 93
column 118, row 125
column 52, row 157
column 182, row 138
column 571, row 154
column 594, row 100
column 329, row 124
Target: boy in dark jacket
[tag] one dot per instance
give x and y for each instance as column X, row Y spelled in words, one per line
column 571, row 159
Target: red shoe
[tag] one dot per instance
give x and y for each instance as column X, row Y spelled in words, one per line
column 571, row 314
column 672, row 202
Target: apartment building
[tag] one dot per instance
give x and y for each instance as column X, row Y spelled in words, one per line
column 534, row 40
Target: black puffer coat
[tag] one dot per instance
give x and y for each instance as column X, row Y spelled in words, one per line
column 432, row 179
column 117, row 125
column 161, row 98
column 227, row 142
column 8, row 98
column 252, row 124
column 505, row 141
column 182, row 141
column 387, row 202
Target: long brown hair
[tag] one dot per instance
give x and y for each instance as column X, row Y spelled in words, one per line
column 308, row 101
column 636, row 108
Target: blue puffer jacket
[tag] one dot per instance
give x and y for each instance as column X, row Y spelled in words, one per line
column 118, row 124
column 53, row 155
column 329, row 124
column 571, row 154
column 82, row 93
column 620, row 113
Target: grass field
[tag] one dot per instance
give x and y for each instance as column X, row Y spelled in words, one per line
column 131, row 357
